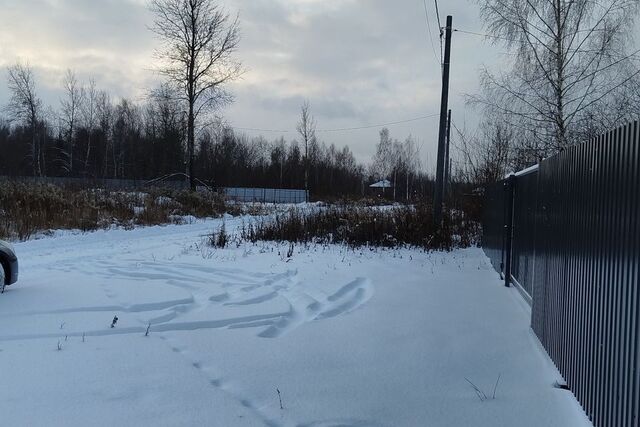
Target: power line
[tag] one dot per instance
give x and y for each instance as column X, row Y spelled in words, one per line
column 339, row 129
column 632, row 55
column 433, row 47
column 260, row 130
column 379, row 125
column 481, row 34
column 440, row 29
column 438, row 16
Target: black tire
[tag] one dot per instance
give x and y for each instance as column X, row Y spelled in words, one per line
column 3, row 277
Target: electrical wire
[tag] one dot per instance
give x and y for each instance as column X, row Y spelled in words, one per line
column 481, row 34
column 378, row 125
column 631, row 56
column 441, row 35
column 433, row 46
column 260, row 130
column 438, row 16
column 340, row 129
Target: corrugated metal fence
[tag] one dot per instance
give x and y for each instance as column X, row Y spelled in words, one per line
column 576, row 255
column 267, row 195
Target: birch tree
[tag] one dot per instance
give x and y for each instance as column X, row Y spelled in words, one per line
column 89, row 112
column 26, row 107
column 198, row 42
column 306, row 127
column 70, row 112
column 569, row 59
column 411, row 160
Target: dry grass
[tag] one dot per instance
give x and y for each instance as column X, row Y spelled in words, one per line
column 30, row 208
column 365, row 226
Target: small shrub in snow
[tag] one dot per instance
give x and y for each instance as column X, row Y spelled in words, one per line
column 280, row 398
column 290, row 251
column 219, row 239
column 481, row 394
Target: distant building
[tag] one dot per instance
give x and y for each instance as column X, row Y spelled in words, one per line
column 385, row 183
column 378, row 188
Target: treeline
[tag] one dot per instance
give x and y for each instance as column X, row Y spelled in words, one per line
column 229, row 159
column 91, row 135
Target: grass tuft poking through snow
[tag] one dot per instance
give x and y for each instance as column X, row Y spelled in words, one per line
column 480, row 393
column 280, row 398
column 219, row 239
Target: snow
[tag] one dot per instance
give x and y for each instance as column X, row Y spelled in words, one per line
column 350, row 338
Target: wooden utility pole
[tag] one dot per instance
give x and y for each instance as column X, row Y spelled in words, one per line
column 447, row 169
column 444, row 105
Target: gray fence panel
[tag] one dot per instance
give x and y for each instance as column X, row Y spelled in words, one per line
column 493, row 222
column 266, row 195
column 576, row 250
column 524, row 230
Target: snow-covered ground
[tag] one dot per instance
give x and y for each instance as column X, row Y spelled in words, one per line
column 348, row 338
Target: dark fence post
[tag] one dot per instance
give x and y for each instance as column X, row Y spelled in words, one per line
column 509, row 187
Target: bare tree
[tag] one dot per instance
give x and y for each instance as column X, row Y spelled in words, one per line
column 70, row 112
column 89, row 110
column 278, row 157
column 383, row 160
column 306, row 127
column 398, row 163
column 569, row 60
column 487, row 153
column 25, row 106
column 198, row 41
column 106, row 114
column 383, row 157
column 410, row 160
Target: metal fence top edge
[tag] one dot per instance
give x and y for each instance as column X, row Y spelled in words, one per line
column 534, row 168
column 523, row 172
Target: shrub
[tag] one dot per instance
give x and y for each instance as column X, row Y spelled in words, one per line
column 367, row 226
column 219, row 239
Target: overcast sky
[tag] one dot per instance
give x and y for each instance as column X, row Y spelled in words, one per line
column 358, row 62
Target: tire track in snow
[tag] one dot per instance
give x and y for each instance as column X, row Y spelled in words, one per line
column 302, row 309
column 134, row 308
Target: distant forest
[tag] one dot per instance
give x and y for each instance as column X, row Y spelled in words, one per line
column 91, row 136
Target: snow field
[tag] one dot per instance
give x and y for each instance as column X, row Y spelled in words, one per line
column 350, row 338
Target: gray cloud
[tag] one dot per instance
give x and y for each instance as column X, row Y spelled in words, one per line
column 358, row 62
